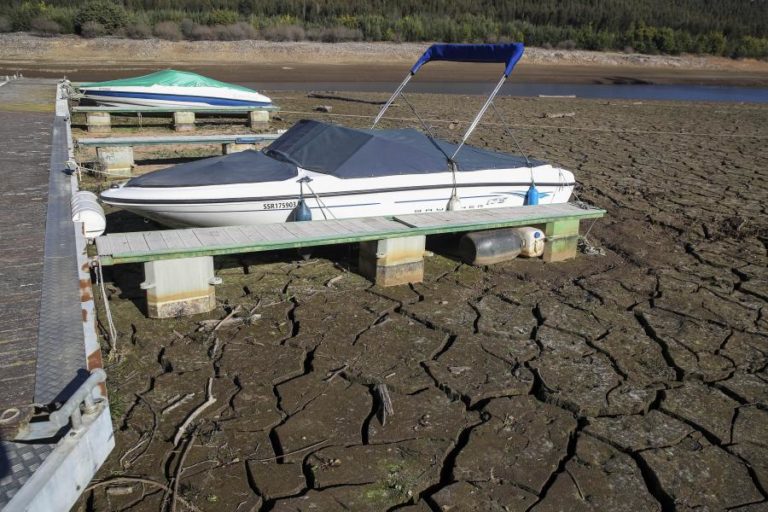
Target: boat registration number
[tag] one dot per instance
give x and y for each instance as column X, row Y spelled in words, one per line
column 280, row 205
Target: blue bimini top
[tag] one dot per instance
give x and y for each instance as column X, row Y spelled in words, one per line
column 508, row 53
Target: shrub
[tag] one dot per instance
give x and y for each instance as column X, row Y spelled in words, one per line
column 45, row 27
column 91, row 29
column 187, row 26
column 138, row 30
column 222, row 17
column 168, row 30
column 246, row 30
column 284, row 33
column 335, row 34
column 201, row 33
column 108, row 14
column 5, row 24
column 22, row 15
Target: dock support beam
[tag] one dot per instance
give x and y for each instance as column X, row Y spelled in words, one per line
column 98, row 122
column 393, row 261
column 258, row 118
column 117, row 160
column 179, row 287
column 562, row 240
column 184, row 121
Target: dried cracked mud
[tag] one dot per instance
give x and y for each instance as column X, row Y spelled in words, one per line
column 632, row 378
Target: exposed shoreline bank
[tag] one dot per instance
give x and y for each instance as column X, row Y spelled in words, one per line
column 263, row 61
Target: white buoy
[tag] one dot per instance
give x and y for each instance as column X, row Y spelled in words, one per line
column 86, row 209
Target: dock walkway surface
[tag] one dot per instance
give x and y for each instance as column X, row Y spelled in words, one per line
column 42, row 338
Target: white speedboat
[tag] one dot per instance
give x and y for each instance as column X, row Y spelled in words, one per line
column 170, row 88
column 338, row 172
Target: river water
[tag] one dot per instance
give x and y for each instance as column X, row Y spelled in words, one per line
column 601, row 91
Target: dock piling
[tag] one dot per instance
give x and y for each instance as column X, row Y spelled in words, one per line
column 258, row 118
column 117, row 161
column 393, row 261
column 98, row 122
column 562, row 240
column 184, row 121
column 179, row 287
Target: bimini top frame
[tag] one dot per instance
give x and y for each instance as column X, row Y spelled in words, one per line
column 507, row 53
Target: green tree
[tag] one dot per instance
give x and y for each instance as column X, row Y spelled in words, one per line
column 108, row 14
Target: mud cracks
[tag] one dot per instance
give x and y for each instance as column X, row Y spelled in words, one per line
column 630, row 381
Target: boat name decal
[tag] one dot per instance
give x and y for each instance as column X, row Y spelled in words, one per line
column 280, row 205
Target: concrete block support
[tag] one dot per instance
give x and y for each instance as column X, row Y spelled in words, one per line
column 393, row 261
column 233, row 147
column 116, row 160
column 562, row 240
column 98, row 122
column 179, row 287
column 258, row 118
column 184, row 121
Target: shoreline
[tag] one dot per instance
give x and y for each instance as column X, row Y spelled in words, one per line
column 269, row 62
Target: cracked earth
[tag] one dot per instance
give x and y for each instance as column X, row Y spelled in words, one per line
column 633, row 380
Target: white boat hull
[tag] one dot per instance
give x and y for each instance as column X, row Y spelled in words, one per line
column 272, row 202
column 174, row 96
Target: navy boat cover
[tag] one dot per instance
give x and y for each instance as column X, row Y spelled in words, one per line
column 244, row 167
column 331, row 149
column 349, row 153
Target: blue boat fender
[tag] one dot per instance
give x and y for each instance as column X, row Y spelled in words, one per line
column 301, row 212
column 532, row 196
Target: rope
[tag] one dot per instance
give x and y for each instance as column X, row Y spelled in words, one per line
column 96, row 171
column 321, row 203
column 509, row 132
column 110, row 322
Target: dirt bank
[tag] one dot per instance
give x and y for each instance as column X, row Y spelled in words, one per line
column 262, row 61
column 632, row 380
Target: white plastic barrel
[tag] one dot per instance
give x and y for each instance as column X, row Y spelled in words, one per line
column 533, row 242
column 86, row 209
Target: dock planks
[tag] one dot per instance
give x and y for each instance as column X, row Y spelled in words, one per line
column 145, row 246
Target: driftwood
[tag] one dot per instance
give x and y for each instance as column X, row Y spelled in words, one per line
column 343, row 98
column 558, row 115
column 208, row 402
column 385, row 409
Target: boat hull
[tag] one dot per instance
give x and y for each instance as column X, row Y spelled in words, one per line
column 174, row 97
column 217, row 206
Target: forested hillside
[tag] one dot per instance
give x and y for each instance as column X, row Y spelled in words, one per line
column 736, row 28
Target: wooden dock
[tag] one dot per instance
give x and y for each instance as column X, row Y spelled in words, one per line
column 138, row 247
column 99, row 118
column 178, row 264
column 246, row 138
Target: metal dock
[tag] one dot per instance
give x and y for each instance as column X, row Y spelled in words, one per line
column 49, row 353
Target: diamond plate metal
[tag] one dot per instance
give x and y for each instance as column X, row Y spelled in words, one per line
column 59, row 367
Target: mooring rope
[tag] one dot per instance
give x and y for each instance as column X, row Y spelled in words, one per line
column 110, row 321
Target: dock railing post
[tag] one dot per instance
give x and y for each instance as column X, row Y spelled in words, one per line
column 393, row 261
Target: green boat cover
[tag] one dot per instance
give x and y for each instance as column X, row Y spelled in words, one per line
column 168, row 77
